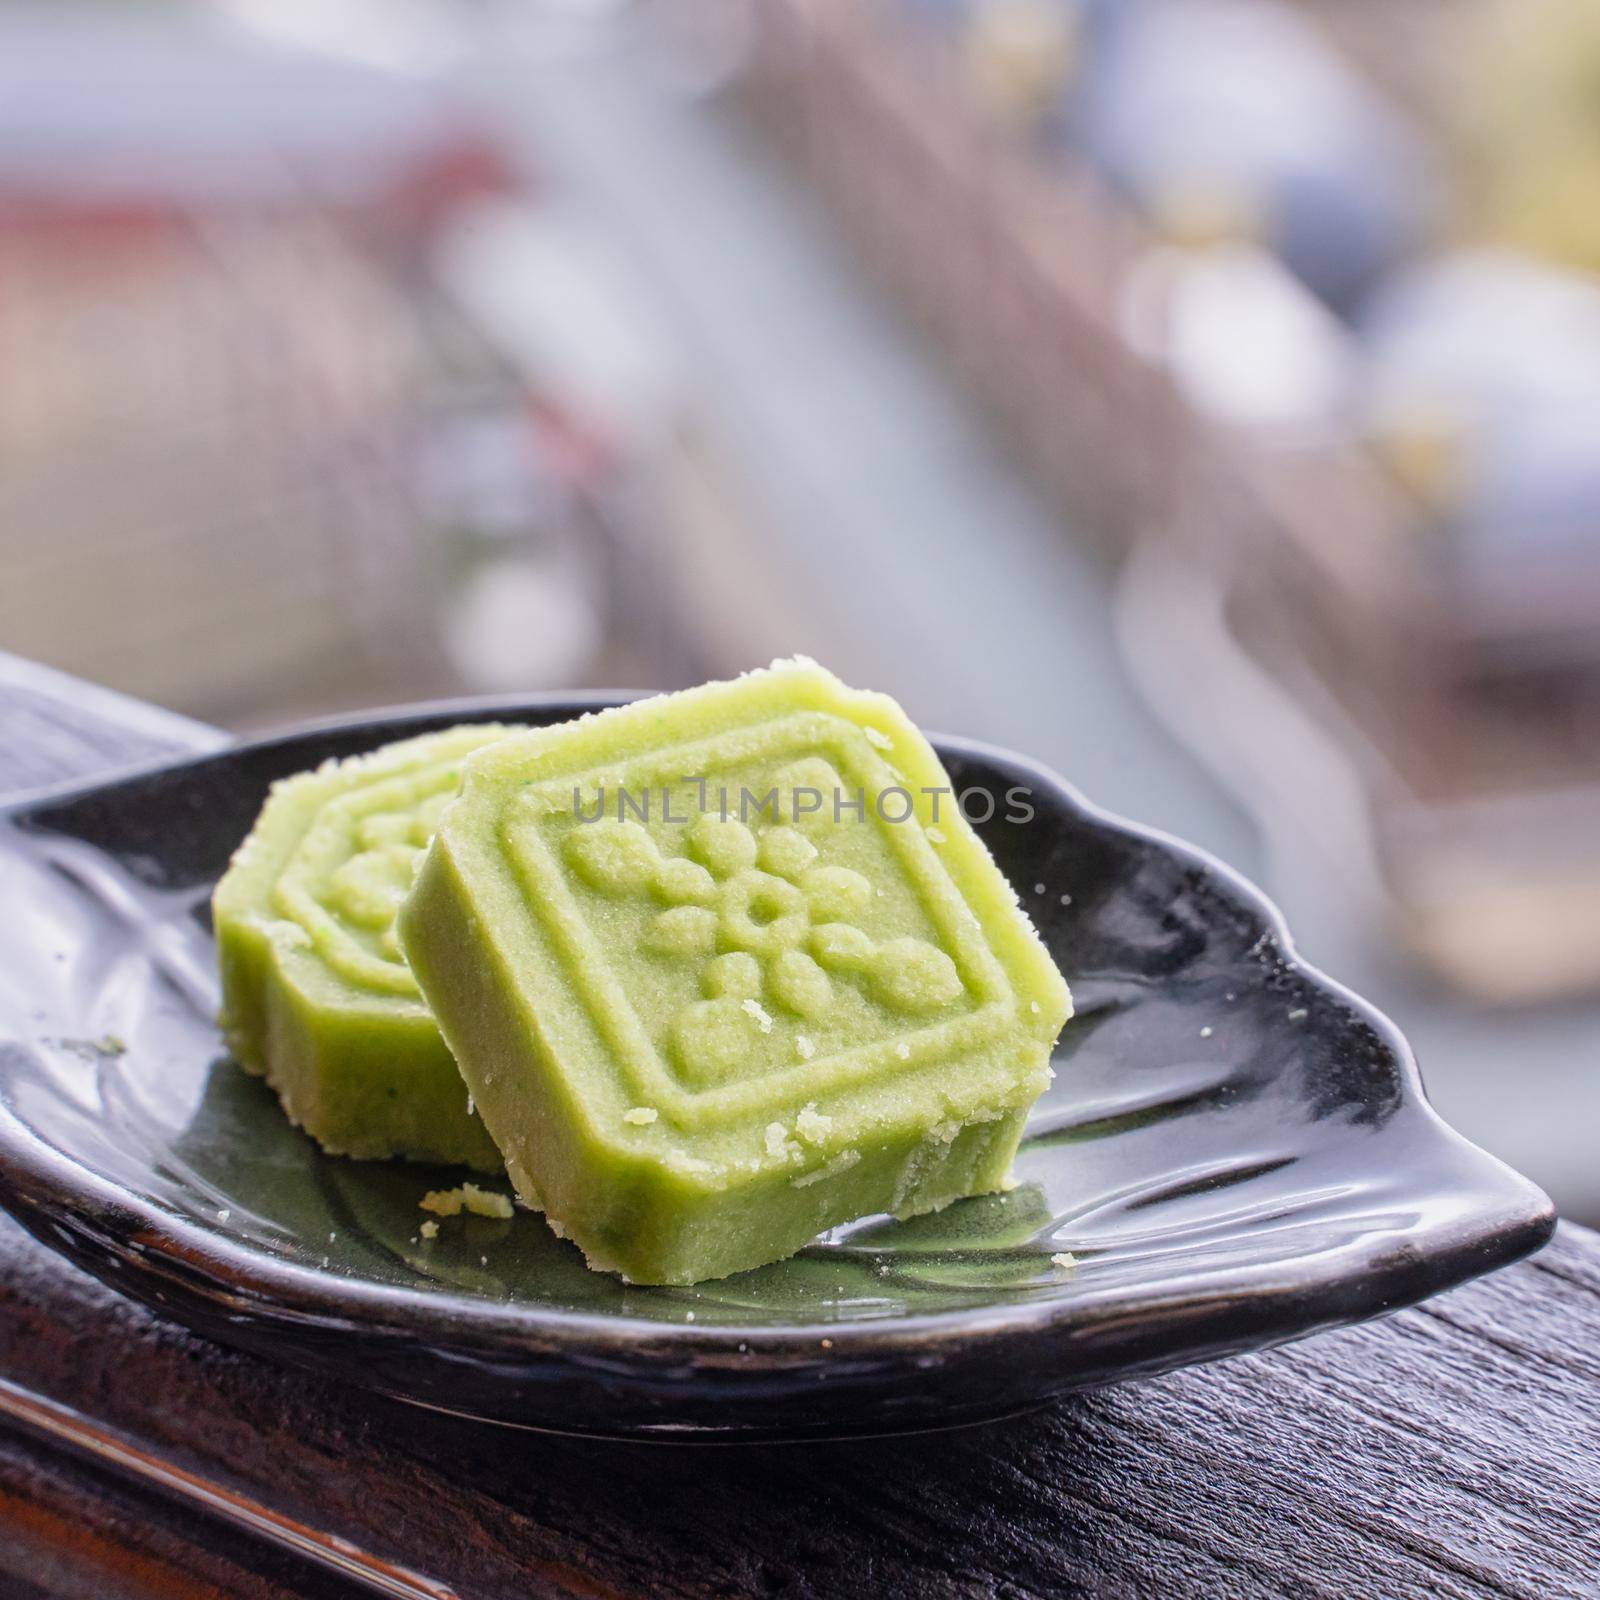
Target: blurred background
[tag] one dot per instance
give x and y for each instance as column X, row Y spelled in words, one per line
column 1201, row 395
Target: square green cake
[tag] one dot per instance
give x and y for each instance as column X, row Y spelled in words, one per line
column 726, row 968
column 316, row 994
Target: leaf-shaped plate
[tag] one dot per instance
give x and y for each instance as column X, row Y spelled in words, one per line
column 1236, row 1152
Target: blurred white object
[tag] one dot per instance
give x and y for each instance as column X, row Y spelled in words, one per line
column 522, row 621
column 1244, row 340
column 1486, row 365
column 1488, row 331
column 560, row 308
column 1243, row 98
column 524, row 593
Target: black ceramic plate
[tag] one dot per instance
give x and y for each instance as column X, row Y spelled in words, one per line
column 1235, row 1152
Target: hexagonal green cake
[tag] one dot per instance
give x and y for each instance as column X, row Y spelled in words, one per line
column 316, row 994
column 701, row 1038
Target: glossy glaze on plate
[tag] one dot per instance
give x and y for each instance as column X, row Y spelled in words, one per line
column 1235, row 1152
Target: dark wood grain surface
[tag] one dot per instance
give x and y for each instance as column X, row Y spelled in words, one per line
column 1451, row 1450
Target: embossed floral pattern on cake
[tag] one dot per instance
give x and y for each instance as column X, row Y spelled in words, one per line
column 721, row 974
column 316, row 993
column 775, row 934
column 365, row 891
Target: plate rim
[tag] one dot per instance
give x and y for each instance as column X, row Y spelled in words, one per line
column 39, row 1182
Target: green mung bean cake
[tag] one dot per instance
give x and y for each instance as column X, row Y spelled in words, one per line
column 723, row 972
column 316, row 993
